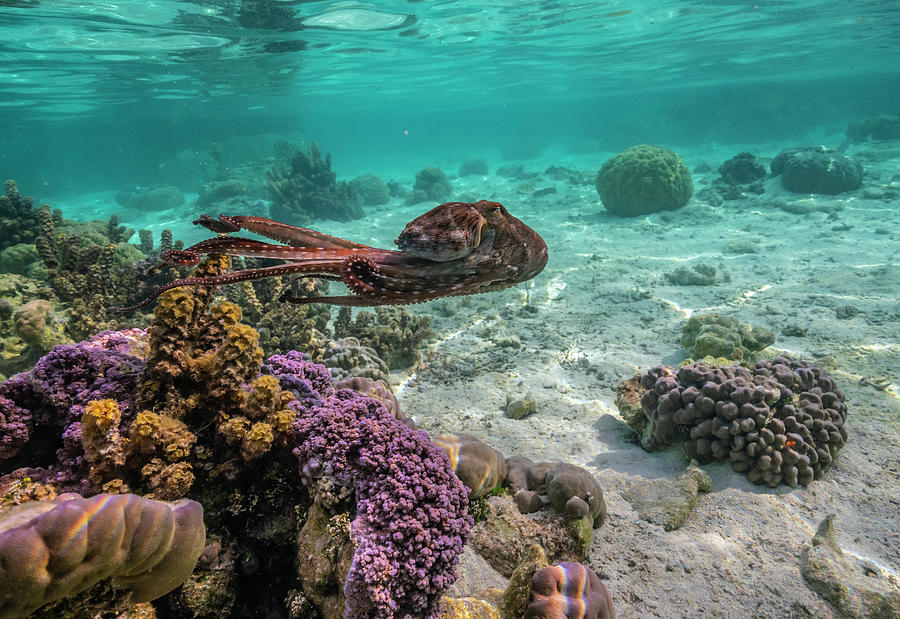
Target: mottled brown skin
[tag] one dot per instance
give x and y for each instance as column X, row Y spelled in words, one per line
column 456, row 248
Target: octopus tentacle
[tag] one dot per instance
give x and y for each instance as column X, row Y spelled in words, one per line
column 277, row 231
column 310, row 268
column 248, row 248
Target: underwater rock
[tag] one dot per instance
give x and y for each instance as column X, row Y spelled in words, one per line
column 857, row 588
column 53, row 549
column 515, row 598
column 505, row 536
column 480, row 467
column 700, row 274
column 644, row 179
column 155, row 199
column 717, row 335
column 324, row 555
column 781, row 421
column 473, row 167
column 816, row 169
column 568, row 590
column 519, row 407
column 668, row 502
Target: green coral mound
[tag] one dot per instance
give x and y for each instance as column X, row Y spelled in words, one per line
column 716, row 335
column 644, row 179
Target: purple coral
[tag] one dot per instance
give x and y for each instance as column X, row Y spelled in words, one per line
column 50, row 399
column 411, row 521
column 309, row 382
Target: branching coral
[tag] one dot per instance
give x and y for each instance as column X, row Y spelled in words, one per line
column 308, row 189
column 18, row 218
column 393, row 332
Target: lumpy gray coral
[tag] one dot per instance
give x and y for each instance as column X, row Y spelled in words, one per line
column 781, row 421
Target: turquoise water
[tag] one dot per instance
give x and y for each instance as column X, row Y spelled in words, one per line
column 94, row 95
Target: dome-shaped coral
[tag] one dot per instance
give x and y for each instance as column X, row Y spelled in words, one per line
column 644, row 179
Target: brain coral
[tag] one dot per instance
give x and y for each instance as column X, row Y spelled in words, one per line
column 781, row 421
column 568, row 590
column 644, row 179
column 53, row 549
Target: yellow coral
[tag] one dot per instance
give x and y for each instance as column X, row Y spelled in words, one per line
column 144, row 431
column 235, row 429
column 103, row 446
column 167, row 482
column 116, row 486
column 266, row 395
column 258, row 441
column 175, row 306
column 226, row 313
column 283, row 420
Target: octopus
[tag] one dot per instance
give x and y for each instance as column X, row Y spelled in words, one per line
column 456, row 248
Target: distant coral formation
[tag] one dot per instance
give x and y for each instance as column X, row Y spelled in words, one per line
column 307, row 189
column 644, row 179
column 816, row 169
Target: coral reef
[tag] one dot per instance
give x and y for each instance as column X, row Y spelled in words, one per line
column 393, row 332
column 720, row 336
column 308, row 190
column 372, row 191
column 283, row 326
column 53, row 549
column 644, row 179
column 816, row 169
column 781, row 421
column 431, row 185
column 568, row 590
column 377, row 389
column 200, row 415
column 18, row 218
column 480, row 467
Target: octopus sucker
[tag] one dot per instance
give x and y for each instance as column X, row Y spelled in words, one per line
column 455, row 249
